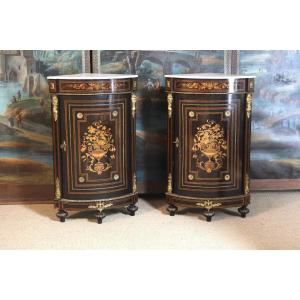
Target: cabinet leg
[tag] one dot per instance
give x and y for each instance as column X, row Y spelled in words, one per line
column 132, row 208
column 99, row 216
column 209, row 214
column 172, row 209
column 62, row 214
column 243, row 210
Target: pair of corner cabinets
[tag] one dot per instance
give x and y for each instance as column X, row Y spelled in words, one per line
column 209, row 123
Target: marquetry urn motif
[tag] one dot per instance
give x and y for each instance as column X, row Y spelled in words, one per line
column 98, row 148
column 209, row 122
column 93, row 118
column 209, row 147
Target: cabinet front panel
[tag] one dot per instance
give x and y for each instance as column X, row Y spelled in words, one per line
column 209, row 149
column 97, row 160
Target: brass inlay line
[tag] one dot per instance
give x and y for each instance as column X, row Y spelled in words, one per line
column 208, row 204
column 55, row 107
column 170, row 102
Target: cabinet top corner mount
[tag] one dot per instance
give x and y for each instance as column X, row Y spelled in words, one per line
column 92, row 83
column 203, row 83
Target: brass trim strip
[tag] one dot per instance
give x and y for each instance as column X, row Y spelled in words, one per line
column 124, row 197
column 183, row 197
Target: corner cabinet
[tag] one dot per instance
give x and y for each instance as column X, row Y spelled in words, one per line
column 209, row 123
column 93, row 121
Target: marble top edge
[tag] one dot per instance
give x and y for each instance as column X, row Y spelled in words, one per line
column 209, row 76
column 87, row 76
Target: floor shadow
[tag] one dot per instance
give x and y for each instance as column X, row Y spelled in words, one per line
column 157, row 201
column 49, row 211
column 256, row 207
column 45, row 210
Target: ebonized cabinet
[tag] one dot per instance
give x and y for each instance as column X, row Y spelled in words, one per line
column 209, row 123
column 93, row 121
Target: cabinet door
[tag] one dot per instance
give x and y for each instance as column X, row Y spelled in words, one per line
column 209, row 147
column 96, row 148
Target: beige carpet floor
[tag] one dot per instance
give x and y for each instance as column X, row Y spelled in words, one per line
column 273, row 223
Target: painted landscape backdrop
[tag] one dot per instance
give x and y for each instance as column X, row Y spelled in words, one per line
column 25, row 130
column 275, row 152
column 151, row 66
column 25, row 120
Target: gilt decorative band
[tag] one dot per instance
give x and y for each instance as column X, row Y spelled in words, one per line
column 93, row 86
column 201, row 85
column 198, row 86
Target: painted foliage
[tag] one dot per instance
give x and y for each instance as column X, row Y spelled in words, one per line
column 25, row 120
column 275, row 152
column 151, row 66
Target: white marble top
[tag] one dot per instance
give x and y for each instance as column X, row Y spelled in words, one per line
column 83, row 76
column 209, row 76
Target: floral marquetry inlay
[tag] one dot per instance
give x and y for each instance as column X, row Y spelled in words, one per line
column 95, row 86
column 98, row 148
column 202, row 85
column 209, row 147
